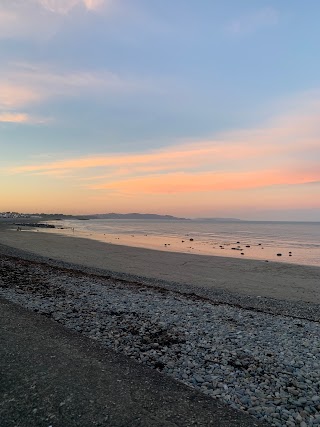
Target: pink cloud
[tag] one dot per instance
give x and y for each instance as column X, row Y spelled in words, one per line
column 282, row 152
column 207, row 182
column 14, row 118
column 21, row 118
column 15, row 95
column 95, row 4
column 231, row 151
column 65, row 6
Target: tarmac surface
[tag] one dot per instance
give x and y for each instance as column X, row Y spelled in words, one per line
column 50, row 376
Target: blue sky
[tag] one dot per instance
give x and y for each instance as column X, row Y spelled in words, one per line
column 90, row 79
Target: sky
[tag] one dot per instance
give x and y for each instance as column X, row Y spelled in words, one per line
column 190, row 108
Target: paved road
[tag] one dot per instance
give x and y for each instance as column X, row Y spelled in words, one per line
column 50, row 376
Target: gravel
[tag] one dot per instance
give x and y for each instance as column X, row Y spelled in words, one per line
column 265, row 364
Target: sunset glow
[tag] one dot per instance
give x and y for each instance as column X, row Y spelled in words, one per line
column 117, row 106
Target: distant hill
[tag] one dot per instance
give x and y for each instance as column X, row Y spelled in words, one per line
column 219, row 219
column 129, row 216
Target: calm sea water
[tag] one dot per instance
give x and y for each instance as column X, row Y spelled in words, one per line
column 298, row 242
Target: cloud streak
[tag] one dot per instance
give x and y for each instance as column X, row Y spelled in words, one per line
column 208, row 182
column 285, row 151
column 65, row 6
column 15, row 95
column 14, row 118
column 215, row 153
column 21, row 118
column 23, row 84
column 41, row 19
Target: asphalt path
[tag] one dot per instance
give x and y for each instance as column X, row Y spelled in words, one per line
column 50, row 376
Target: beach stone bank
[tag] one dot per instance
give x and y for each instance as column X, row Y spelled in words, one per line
column 266, row 365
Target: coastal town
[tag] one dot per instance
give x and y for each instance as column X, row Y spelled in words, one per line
column 17, row 215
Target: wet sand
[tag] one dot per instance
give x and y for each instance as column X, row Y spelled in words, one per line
column 193, row 243
column 249, row 277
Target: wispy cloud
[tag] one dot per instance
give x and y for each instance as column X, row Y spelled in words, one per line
column 16, row 94
column 23, row 84
column 21, row 118
column 41, row 19
column 253, row 22
column 65, row 6
column 284, row 151
column 210, row 181
column 215, row 154
column 13, row 97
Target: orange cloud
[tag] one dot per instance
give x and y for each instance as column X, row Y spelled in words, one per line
column 227, row 154
column 285, row 140
column 15, row 95
column 189, row 156
column 207, row 182
column 94, row 4
column 14, row 118
column 20, row 118
column 283, row 152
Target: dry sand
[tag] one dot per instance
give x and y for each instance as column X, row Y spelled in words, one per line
column 276, row 280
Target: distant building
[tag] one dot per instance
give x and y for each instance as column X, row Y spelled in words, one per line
column 13, row 215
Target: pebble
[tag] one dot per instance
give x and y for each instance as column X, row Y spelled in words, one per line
column 267, row 365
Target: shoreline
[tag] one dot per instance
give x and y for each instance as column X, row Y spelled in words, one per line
column 236, row 246
column 276, row 288
column 243, row 332
column 230, row 248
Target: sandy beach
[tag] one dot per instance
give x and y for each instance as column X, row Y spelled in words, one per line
column 248, row 277
column 242, row 331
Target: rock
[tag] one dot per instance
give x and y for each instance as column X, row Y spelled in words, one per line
column 254, row 410
column 251, row 360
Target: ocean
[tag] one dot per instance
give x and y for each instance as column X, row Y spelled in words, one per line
column 297, row 242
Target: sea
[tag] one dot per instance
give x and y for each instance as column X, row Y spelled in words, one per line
column 288, row 242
